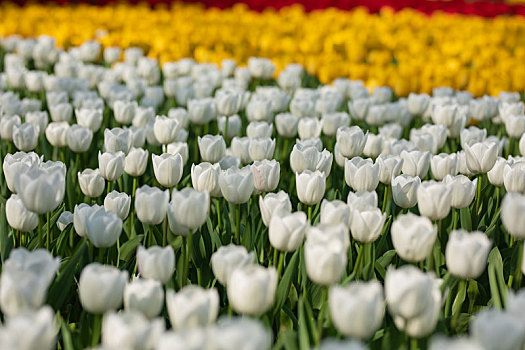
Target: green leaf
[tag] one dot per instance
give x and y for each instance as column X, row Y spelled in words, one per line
column 6, row 242
column 304, row 338
column 128, row 249
column 67, row 341
column 466, row 219
column 61, row 287
column 286, row 282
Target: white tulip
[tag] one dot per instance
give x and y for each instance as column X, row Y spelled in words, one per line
column 79, row 138
column 251, row 289
column 205, row 177
column 25, row 136
column 193, row 306
column 117, row 139
column 151, row 204
column 119, row 203
column 167, row 168
column 237, row 184
column 467, row 252
column 511, row 214
column 357, row 310
column 212, row 148
column 415, row 163
column 361, row 174
column 18, row 217
column 228, row 258
column 463, row 190
column 91, row 182
column 156, row 263
column 101, row 288
column 286, row 230
column 413, row 237
column 434, row 199
column 136, row 162
column 266, row 175
column 41, row 191
column 310, row 186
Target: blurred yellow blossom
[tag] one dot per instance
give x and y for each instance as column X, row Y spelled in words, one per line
column 407, row 50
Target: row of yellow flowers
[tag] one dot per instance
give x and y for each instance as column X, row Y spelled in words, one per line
column 407, row 50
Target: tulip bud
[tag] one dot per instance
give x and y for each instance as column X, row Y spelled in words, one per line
column 415, row 163
column 266, row 175
column 18, row 217
column 228, row 102
column 335, row 212
column 286, row 230
column 167, row 168
column 511, row 214
column 259, row 129
column 413, row 237
column 179, row 148
column 351, row 141
column 119, row 203
column 145, row 296
column 80, row 215
column 61, row 112
column 103, row 228
column 362, row 200
column 25, row 279
column 91, row 182
column 25, row 136
column 434, row 199
column 358, row 309
column 130, row 330
column 117, row 140
column 205, row 177
column 286, row 124
column 56, row 134
column 309, row 127
column 498, row 329
column 156, row 263
column 124, row 111
column 41, row 191
column 304, row 158
column 260, row 148
column 462, row 190
column 79, row 138
column 414, row 299
column 361, row 174
column 234, row 125
column 333, row 121
column 310, row 186
column 443, row 164
column 274, row 203
column 190, row 207
column 237, row 332
column 418, row 103
column 90, row 118
column 7, row 123
column 165, row 129
column 193, row 306
column 325, row 253
column 101, row 288
column 251, row 289
column 136, row 162
column 151, row 204
column 514, row 177
column 212, row 148
column 237, row 184
column 373, row 146
column 111, row 165
column 227, row 258
column 515, row 125
column 467, row 253
column 64, row 220
column 202, row 111
column 481, row 156
column 366, row 225
column 389, row 166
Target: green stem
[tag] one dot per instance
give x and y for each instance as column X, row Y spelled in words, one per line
column 188, row 243
column 109, row 187
column 135, row 183
column 478, row 199
column 517, row 269
column 455, row 219
column 281, row 264
column 386, row 196
column 164, row 232
column 40, row 234
column 238, row 224
column 310, row 214
column 322, row 310
column 48, row 236
column 456, row 307
column 218, row 206
column 97, row 325
column 101, row 254
column 414, row 344
column 226, row 128
column 358, row 261
column 284, row 151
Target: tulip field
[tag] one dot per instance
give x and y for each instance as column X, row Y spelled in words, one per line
column 177, row 184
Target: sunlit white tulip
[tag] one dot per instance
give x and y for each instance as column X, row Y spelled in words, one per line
column 167, row 168
column 310, row 186
column 119, row 203
column 156, row 263
column 413, row 237
column 136, row 162
column 101, row 288
column 434, row 199
column 91, row 182
column 467, row 252
column 192, row 306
